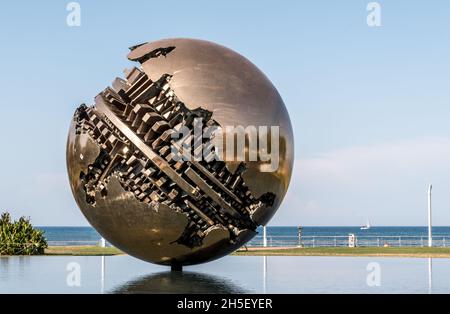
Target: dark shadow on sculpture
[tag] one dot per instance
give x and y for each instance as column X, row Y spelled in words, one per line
column 179, row 282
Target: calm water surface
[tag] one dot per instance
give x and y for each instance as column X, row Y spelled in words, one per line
column 233, row 274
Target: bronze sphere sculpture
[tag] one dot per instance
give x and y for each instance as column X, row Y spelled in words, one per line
column 152, row 202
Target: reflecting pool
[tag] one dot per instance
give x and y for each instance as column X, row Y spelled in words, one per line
column 233, row 274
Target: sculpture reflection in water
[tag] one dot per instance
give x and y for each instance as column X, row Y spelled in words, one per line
column 180, row 283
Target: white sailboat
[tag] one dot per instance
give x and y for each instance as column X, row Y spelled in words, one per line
column 367, row 226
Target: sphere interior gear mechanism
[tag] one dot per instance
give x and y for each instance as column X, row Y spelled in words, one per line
column 130, row 183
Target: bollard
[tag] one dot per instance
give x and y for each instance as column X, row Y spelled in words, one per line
column 300, row 234
column 351, row 240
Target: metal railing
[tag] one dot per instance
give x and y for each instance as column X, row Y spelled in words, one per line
column 77, row 243
column 316, row 241
column 343, row 241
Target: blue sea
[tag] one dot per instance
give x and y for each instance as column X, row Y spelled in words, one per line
column 287, row 236
column 71, row 235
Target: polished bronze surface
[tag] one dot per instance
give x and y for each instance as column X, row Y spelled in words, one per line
column 127, row 180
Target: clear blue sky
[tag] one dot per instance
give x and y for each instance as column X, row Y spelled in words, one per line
column 370, row 107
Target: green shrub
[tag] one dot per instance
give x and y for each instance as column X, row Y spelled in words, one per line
column 19, row 237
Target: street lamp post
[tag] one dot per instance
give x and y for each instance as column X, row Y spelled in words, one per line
column 265, row 236
column 430, row 237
